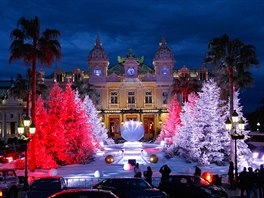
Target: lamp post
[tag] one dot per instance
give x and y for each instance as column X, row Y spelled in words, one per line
column 26, row 130
column 235, row 136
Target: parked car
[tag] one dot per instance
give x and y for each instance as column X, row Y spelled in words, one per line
column 9, row 183
column 7, row 156
column 191, row 186
column 45, row 186
column 83, row 193
column 130, row 188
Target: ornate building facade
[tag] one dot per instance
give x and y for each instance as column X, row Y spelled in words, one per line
column 130, row 89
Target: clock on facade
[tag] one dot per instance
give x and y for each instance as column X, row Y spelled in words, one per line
column 165, row 70
column 131, row 71
column 97, row 72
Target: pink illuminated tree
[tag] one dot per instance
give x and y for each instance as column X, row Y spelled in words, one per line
column 172, row 123
column 63, row 134
column 44, row 159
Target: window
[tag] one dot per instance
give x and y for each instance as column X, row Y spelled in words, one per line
column 202, row 76
column 131, row 97
column 77, row 77
column 148, row 97
column 97, row 98
column 59, row 77
column 165, row 97
column 114, row 97
column 13, row 127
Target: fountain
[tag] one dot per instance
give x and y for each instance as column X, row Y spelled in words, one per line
column 132, row 150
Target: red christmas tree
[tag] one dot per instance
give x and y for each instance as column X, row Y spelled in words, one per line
column 63, row 135
column 44, row 160
column 172, row 122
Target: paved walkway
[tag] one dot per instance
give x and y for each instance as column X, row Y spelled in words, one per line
column 232, row 193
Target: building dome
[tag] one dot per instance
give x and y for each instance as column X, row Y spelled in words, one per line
column 97, row 53
column 164, row 53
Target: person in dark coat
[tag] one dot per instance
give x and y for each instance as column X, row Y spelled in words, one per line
column 242, row 181
column 137, row 171
column 148, row 175
column 198, row 171
column 231, row 176
column 165, row 172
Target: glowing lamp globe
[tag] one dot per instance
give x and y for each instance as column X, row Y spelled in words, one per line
column 98, row 174
column 153, row 158
column 127, row 167
column 53, row 172
column 132, row 131
column 109, row 159
column 207, row 176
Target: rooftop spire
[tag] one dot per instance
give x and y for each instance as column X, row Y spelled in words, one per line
column 163, row 43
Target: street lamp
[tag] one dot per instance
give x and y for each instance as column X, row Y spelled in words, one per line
column 235, row 136
column 26, row 130
column 258, row 125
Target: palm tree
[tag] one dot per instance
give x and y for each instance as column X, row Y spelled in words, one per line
column 231, row 60
column 185, row 85
column 22, row 88
column 84, row 88
column 31, row 46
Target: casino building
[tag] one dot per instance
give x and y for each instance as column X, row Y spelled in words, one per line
column 130, row 89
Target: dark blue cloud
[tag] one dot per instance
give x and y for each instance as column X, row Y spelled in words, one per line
column 188, row 26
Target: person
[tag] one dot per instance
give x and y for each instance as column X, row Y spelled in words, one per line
column 148, row 175
column 165, row 172
column 261, row 180
column 137, row 170
column 198, row 171
column 231, row 175
column 242, row 181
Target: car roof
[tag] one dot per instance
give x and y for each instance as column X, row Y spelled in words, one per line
column 47, row 177
column 6, row 169
column 81, row 190
column 122, row 179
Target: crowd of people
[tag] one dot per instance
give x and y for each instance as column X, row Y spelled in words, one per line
column 251, row 183
column 164, row 171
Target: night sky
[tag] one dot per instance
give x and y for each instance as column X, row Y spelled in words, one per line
column 187, row 25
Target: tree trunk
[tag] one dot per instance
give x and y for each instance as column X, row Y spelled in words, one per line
column 32, row 165
column 28, row 103
column 231, row 109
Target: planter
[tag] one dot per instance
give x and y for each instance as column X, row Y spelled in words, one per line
column 237, row 136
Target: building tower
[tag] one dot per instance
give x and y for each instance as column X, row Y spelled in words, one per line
column 97, row 63
column 164, row 62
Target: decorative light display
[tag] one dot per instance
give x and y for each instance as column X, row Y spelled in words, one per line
column 98, row 174
column 109, row 159
column 132, row 131
column 153, row 158
column 207, row 176
column 127, row 167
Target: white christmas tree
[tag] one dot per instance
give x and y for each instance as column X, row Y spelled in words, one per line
column 213, row 139
column 100, row 133
column 186, row 143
